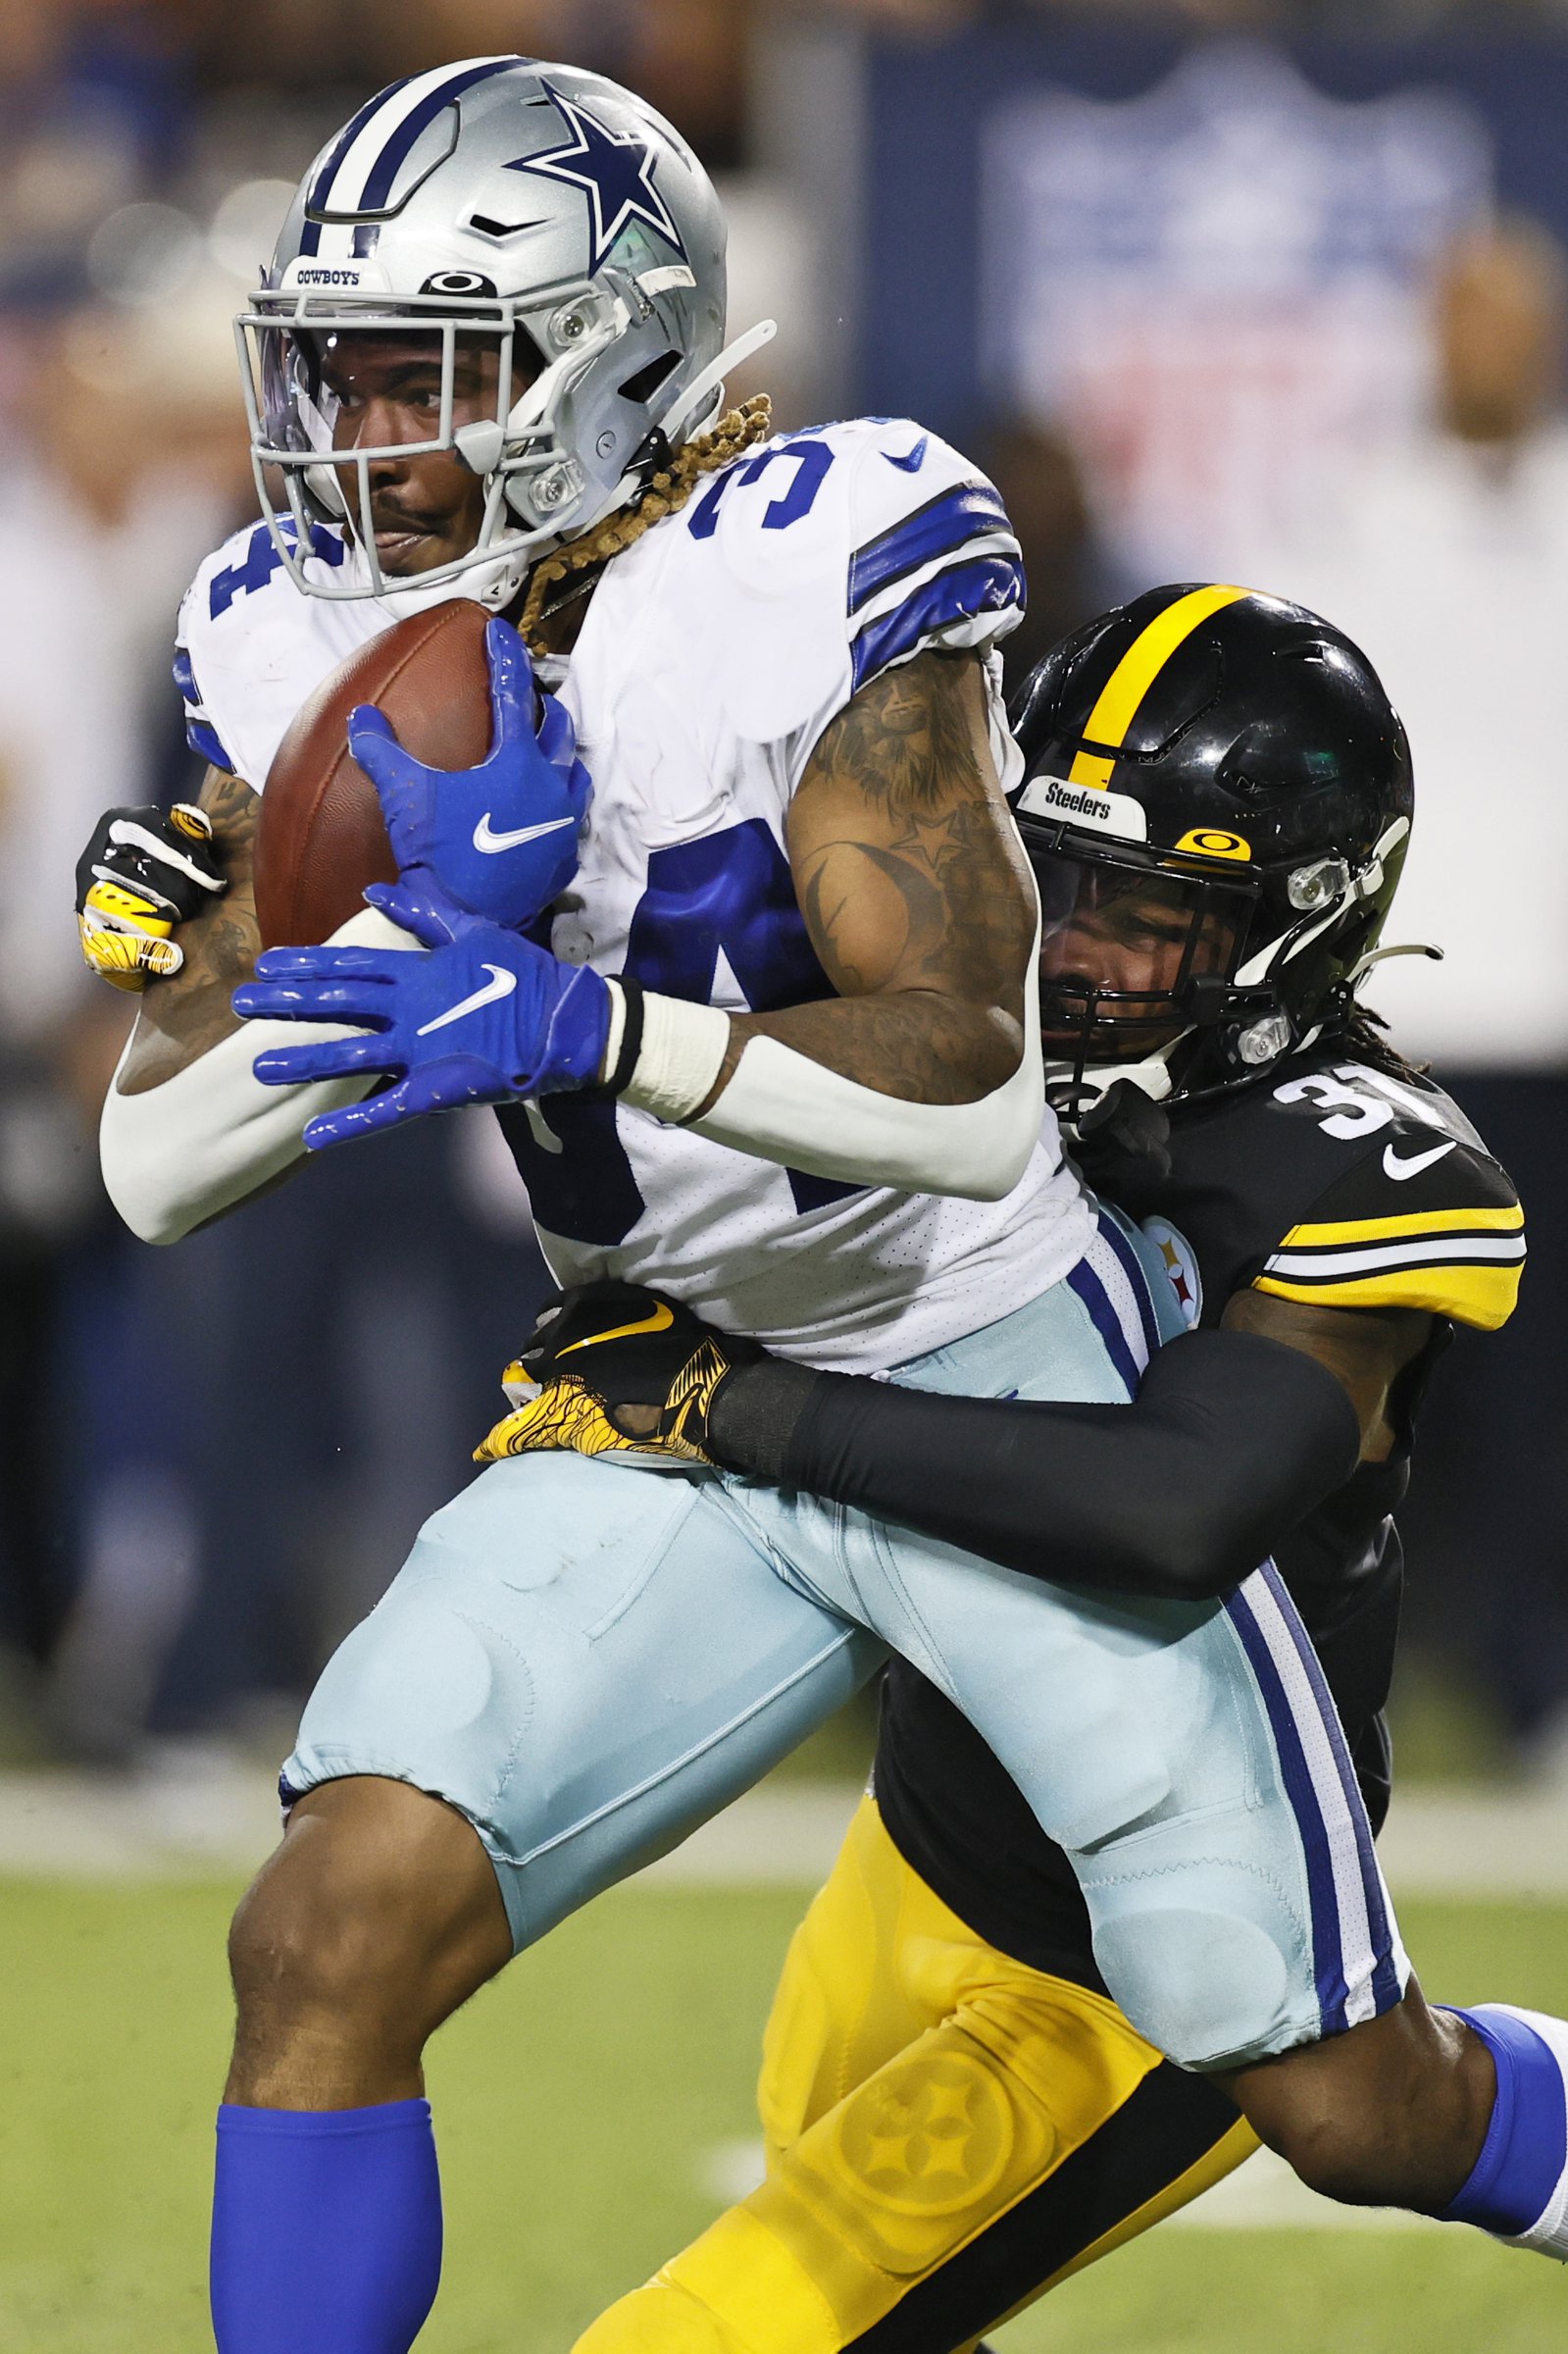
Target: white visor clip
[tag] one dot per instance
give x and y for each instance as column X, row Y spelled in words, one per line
column 480, row 445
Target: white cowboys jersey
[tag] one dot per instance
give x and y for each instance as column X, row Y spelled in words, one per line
column 713, row 654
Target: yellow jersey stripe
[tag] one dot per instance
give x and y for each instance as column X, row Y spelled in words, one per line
column 1136, row 673
column 1485, row 1297
column 1413, row 1222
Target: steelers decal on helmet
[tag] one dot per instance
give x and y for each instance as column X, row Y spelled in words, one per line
column 1112, row 813
column 614, row 172
column 1136, row 673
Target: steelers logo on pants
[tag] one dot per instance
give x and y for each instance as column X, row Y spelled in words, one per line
column 938, row 2142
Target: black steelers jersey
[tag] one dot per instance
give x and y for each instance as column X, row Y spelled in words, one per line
column 1335, row 1182
column 1340, row 1184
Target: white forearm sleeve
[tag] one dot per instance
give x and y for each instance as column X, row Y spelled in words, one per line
column 176, row 1155
column 781, row 1105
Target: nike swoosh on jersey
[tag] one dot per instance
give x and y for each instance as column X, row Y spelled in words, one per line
column 490, row 844
column 661, row 1318
column 500, row 985
column 1399, row 1170
column 912, row 460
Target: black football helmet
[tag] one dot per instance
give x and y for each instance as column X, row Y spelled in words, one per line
column 1218, row 793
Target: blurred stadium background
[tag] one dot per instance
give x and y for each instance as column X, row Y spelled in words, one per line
column 1273, row 290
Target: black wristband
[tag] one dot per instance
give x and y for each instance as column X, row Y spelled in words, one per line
column 626, row 1061
column 754, row 1412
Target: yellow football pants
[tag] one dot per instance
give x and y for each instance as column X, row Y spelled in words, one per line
column 949, row 2136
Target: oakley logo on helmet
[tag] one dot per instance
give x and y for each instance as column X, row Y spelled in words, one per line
column 459, row 281
column 1212, row 842
column 1111, row 812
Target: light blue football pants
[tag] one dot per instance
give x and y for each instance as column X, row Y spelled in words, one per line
column 589, row 1659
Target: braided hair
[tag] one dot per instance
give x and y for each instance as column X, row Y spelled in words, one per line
column 737, row 431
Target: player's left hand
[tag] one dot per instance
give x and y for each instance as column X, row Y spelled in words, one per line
column 484, row 1018
column 144, row 872
column 614, row 1369
column 500, row 840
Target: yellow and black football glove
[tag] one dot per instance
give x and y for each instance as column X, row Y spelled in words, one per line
column 143, row 872
column 614, row 1369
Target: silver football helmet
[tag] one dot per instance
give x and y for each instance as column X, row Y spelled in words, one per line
column 535, row 207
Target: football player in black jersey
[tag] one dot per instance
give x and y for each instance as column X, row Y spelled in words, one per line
column 957, row 2115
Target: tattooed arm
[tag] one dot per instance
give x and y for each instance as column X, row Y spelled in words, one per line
column 915, row 891
column 180, row 1018
column 922, row 1073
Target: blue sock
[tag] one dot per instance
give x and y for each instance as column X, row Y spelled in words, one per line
column 1520, row 2181
column 326, row 2229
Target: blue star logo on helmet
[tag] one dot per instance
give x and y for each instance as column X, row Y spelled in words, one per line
column 614, row 169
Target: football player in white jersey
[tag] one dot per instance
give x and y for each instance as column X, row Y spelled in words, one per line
column 764, row 1032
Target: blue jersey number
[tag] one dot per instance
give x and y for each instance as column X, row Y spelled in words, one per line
column 731, row 893
column 813, row 460
column 262, row 559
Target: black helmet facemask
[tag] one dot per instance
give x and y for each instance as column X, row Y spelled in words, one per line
column 1130, row 953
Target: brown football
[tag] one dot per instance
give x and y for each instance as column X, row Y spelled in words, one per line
column 320, row 838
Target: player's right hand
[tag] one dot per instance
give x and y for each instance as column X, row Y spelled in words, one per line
column 499, row 840
column 143, row 872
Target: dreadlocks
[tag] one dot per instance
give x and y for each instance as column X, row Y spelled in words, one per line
column 737, row 431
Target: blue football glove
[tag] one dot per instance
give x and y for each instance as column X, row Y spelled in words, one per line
column 500, row 840
column 484, row 1018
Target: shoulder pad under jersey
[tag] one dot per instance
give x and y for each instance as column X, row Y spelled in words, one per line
column 252, row 647
column 830, row 557
column 1343, row 1185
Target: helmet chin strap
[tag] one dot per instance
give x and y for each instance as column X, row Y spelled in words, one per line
column 491, row 583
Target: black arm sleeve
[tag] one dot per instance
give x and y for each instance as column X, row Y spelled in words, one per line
column 1231, row 1440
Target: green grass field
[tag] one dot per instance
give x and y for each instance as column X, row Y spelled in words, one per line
column 577, row 2103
